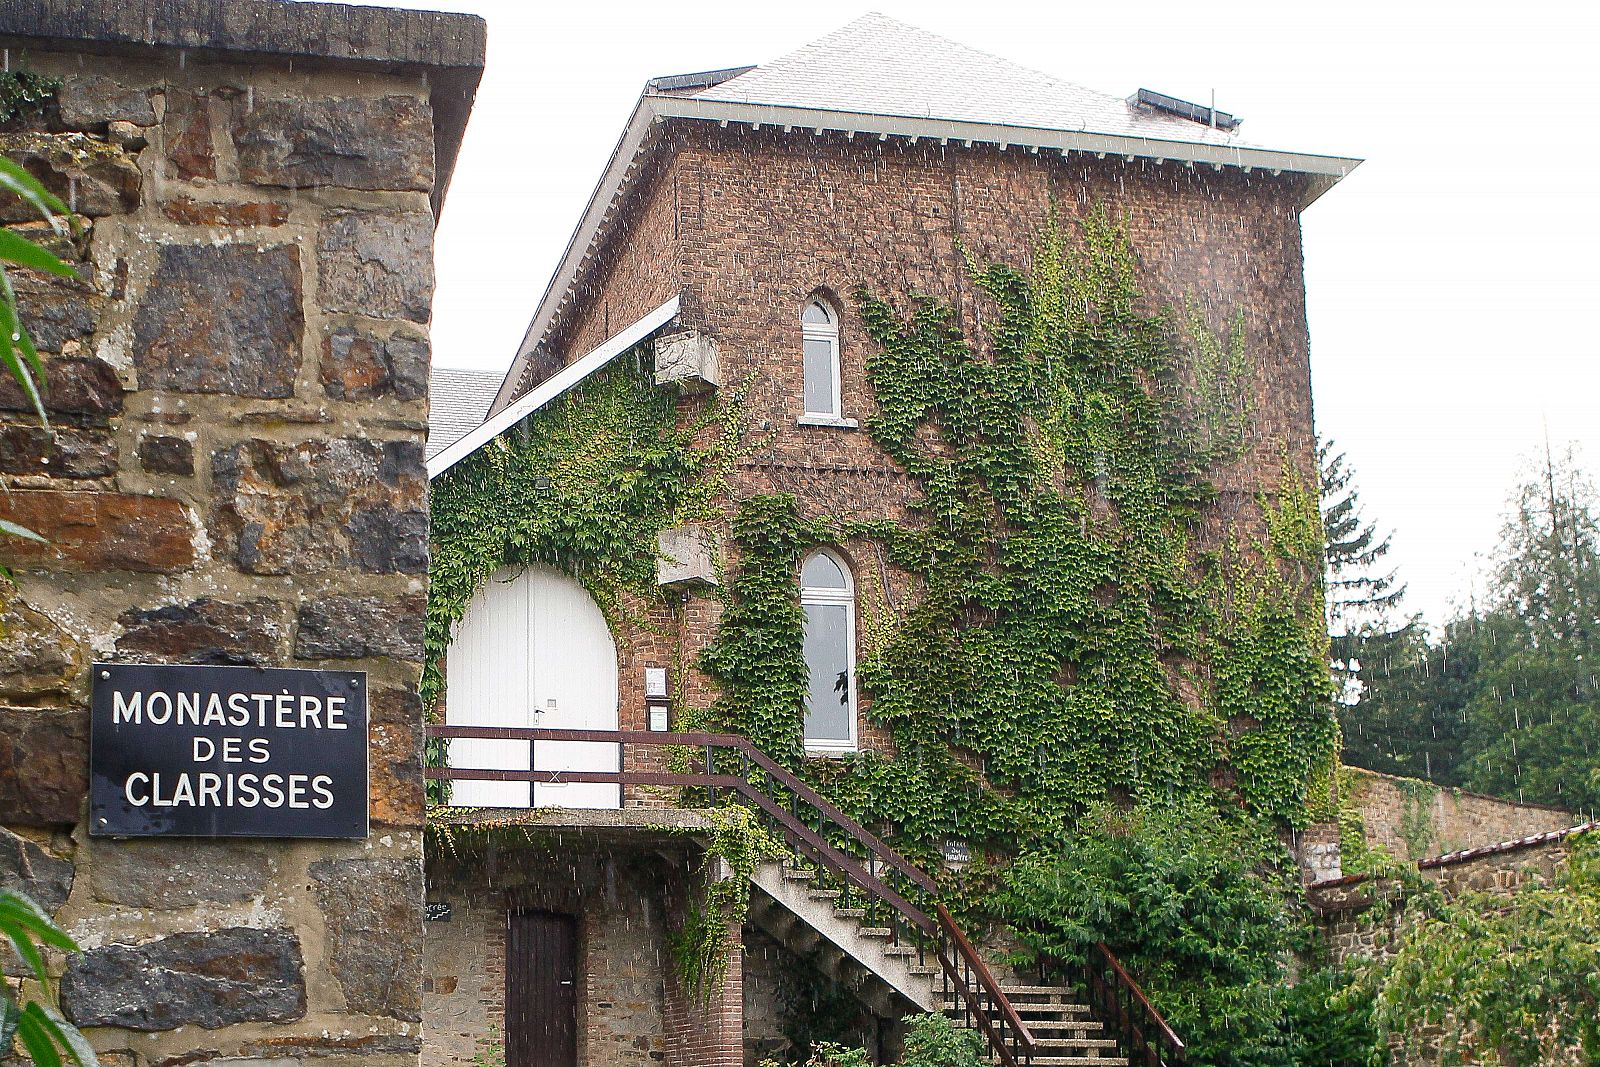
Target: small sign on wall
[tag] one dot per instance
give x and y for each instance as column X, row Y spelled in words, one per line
column 227, row 752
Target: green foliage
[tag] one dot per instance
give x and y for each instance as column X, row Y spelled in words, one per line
column 931, row 1041
column 583, row 485
column 1194, row 901
column 1328, row 1020
column 17, row 353
column 756, row 657
column 1410, row 718
column 1061, row 612
column 1534, row 716
column 935, row 1041
column 1507, row 699
column 1495, row 980
column 25, row 92
column 700, row 947
column 1417, row 827
column 46, row 1038
column 831, row 1054
column 18, row 356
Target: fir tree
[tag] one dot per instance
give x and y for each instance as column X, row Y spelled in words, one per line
column 1533, row 718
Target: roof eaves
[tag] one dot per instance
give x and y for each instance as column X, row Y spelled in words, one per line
column 704, row 79
column 1323, row 171
column 552, row 387
column 969, row 133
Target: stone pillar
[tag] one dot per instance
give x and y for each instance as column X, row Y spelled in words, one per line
column 234, row 475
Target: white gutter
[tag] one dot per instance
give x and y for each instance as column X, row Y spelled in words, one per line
column 552, row 387
column 1324, row 171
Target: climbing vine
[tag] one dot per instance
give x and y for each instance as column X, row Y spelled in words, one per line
column 701, row 946
column 1070, row 638
column 583, row 485
column 24, row 93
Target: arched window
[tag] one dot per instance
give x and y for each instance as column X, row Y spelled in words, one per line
column 828, row 597
column 819, row 332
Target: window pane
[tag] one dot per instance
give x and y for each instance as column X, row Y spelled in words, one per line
column 819, row 374
column 821, row 572
column 828, row 664
column 816, row 314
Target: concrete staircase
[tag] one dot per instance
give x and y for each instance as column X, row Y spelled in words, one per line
column 899, row 979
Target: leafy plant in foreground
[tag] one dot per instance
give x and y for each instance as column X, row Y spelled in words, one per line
column 1195, row 902
column 47, row 1038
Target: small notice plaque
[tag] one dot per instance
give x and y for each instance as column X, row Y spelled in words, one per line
column 227, row 752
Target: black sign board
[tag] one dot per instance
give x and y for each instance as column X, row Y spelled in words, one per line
column 227, row 752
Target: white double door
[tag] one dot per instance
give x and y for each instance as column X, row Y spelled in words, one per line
column 533, row 649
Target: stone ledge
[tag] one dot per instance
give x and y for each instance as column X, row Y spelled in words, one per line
column 448, row 46
column 341, row 32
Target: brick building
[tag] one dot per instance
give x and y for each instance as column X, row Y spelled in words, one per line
column 739, row 214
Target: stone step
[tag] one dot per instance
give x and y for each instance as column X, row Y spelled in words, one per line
column 1076, row 1026
column 850, row 913
column 1089, row 1061
column 882, row 933
column 1027, row 1010
column 1050, row 1044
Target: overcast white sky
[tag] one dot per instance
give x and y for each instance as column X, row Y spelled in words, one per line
column 1452, row 279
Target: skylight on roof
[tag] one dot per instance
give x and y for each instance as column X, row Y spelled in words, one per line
column 1206, row 116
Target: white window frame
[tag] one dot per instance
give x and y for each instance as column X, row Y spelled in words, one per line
column 846, row 597
column 829, row 332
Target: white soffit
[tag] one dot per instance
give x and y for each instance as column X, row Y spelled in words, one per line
column 552, row 387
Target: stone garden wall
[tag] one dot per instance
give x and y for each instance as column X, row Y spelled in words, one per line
column 233, row 475
column 1415, row 820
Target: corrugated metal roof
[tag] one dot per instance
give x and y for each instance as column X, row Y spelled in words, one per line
column 881, row 66
column 458, row 400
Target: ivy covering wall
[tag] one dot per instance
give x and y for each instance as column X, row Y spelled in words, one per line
column 1069, row 637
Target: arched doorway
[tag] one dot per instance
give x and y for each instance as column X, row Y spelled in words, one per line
column 533, row 649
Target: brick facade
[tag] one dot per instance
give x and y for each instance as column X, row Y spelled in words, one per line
column 746, row 226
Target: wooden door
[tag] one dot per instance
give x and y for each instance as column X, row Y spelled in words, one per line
column 533, row 649
column 541, row 990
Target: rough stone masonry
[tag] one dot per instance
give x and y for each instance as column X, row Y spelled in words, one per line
column 233, row 475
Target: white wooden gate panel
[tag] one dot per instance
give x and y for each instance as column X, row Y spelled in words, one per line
column 532, row 649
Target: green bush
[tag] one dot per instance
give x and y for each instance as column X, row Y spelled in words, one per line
column 935, row 1041
column 1193, row 900
column 1514, row 981
column 1328, row 1020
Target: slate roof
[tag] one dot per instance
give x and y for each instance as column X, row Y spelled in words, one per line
column 878, row 65
column 458, row 400
column 882, row 79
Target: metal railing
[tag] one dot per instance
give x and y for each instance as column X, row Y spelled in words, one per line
column 1116, row 1000
column 838, row 850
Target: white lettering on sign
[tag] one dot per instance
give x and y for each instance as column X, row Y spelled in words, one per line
column 283, row 711
column 208, row 790
column 219, row 751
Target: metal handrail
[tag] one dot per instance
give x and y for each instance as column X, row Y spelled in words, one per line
column 886, row 875
column 1117, row 999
